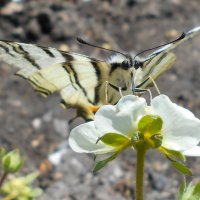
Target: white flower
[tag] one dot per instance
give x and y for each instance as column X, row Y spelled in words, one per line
column 180, row 129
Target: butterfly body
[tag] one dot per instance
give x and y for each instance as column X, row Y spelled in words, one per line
column 83, row 81
column 92, row 80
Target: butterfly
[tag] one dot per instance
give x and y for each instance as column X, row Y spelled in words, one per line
column 83, row 82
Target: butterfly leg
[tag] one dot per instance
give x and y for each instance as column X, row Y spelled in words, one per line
column 106, row 91
column 140, row 91
column 154, row 83
column 119, row 89
column 147, row 79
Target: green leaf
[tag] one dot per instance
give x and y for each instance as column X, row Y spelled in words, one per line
column 196, row 191
column 115, row 140
column 100, row 164
column 20, row 188
column 31, row 177
column 151, row 124
column 181, row 168
column 173, row 154
column 178, row 165
column 191, row 192
column 182, row 190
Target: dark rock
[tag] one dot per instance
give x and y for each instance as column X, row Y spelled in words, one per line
column 18, row 33
column 13, row 20
column 56, row 7
column 157, row 181
column 44, row 22
column 131, row 3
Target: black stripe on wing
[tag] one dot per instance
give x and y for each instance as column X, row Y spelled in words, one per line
column 19, row 49
column 75, row 74
column 70, row 75
column 6, row 49
column 99, row 77
column 47, row 51
column 157, row 61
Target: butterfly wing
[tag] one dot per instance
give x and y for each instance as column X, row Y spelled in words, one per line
column 76, row 77
column 153, row 68
column 161, row 60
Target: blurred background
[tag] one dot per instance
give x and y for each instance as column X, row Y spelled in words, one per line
column 38, row 126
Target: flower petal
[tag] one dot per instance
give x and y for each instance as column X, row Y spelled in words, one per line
column 181, row 129
column 83, row 139
column 121, row 118
column 195, row 151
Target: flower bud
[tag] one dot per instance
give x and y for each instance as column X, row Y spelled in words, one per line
column 12, row 161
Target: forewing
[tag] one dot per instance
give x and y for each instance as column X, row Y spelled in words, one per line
column 160, row 61
column 28, row 57
column 154, row 68
column 78, row 78
column 167, row 48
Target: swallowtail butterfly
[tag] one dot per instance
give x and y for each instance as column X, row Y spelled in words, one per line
column 82, row 80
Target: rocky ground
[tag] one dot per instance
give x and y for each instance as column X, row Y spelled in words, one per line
column 38, row 126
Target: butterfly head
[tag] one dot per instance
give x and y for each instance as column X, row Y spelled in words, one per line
column 138, row 64
column 126, row 61
column 132, row 62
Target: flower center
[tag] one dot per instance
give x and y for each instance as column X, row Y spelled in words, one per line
column 149, row 131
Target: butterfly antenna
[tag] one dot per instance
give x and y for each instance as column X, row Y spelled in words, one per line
column 81, row 41
column 176, row 40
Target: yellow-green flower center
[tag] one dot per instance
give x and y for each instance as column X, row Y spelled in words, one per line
column 149, row 130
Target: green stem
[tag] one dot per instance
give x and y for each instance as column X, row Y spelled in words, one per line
column 141, row 151
column 2, row 179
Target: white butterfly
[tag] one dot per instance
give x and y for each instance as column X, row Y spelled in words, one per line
column 83, row 81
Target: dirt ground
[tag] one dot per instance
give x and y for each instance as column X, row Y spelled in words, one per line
column 39, row 126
